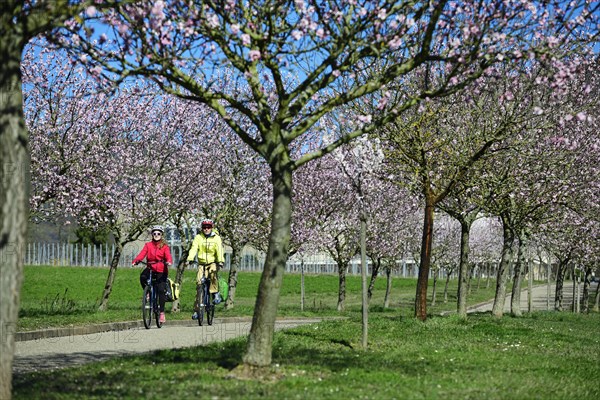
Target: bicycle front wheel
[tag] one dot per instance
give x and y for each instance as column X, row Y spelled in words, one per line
column 157, row 318
column 147, row 308
column 156, row 308
column 200, row 297
column 210, row 313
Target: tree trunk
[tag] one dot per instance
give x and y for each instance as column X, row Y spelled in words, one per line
column 560, row 280
column 388, row 287
column 436, row 274
column 302, row 296
column 179, row 277
column 185, row 245
column 597, row 298
column 236, row 258
column 259, row 348
column 515, row 300
column 472, row 273
column 575, row 287
column 503, row 268
column 489, row 275
column 463, row 271
column 585, row 300
column 529, row 271
column 374, row 272
column 14, row 185
column 448, row 273
column 342, row 269
column 111, row 275
column 422, row 281
column 363, row 274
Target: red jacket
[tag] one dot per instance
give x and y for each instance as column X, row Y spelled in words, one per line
column 155, row 257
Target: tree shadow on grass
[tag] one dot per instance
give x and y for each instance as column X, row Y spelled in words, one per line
column 117, row 376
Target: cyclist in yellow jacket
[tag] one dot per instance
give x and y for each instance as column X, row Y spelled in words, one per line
column 207, row 245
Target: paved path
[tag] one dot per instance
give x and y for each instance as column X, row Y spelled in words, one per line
column 540, row 295
column 539, row 301
column 67, row 351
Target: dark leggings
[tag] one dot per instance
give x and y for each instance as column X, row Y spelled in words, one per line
column 161, row 279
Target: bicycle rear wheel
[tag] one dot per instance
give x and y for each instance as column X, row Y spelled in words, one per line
column 147, row 307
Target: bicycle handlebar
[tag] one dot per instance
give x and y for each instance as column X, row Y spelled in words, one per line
column 150, row 263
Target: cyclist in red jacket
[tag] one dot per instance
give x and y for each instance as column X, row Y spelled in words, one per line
column 158, row 257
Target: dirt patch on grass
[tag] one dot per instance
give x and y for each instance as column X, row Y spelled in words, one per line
column 251, row 372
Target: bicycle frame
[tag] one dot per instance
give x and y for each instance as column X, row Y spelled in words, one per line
column 152, row 309
column 203, row 294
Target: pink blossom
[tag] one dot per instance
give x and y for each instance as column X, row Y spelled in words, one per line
column 254, row 55
column 395, row 43
column 552, row 41
column 365, row 118
column 245, row 39
column 90, row 11
column 384, row 100
column 213, row 21
column 297, row 35
column 157, row 9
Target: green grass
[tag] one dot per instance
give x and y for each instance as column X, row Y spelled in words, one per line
column 545, row 355
column 61, row 296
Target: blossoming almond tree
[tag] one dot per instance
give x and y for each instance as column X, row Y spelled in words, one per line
column 182, row 45
column 20, row 21
column 237, row 195
column 112, row 161
column 529, row 182
column 490, row 112
column 569, row 230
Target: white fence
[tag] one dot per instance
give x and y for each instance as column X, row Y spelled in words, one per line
column 69, row 254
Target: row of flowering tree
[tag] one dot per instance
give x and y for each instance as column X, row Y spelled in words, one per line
column 122, row 162
column 183, row 45
column 328, row 47
column 63, row 120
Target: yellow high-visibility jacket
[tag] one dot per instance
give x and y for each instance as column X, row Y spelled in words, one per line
column 209, row 249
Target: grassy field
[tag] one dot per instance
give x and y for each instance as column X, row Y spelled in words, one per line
column 545, row 355
column 60, row 296
column 541, row 356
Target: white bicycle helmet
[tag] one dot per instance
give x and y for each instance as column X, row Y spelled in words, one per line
column 157, row 228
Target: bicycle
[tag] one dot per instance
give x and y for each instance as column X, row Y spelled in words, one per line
column 150, row 302
column 206, row 302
